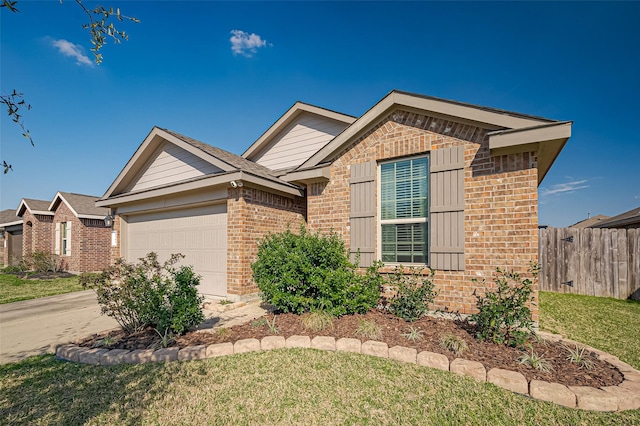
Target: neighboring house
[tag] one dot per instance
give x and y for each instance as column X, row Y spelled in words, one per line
column 590, row 221
column 37, row 226
column 10, row 237
column 415, row 180
column 80, row 238
column 626, row 220
column 70, row 227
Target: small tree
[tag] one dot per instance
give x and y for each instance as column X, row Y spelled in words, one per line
column 504, row 316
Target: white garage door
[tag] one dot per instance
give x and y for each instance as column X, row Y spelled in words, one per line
column 198, row 233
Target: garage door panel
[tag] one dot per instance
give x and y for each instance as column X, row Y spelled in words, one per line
column 200, row 234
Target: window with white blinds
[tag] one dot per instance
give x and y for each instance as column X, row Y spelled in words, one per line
column 403, row 210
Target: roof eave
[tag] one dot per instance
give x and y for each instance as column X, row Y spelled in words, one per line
column 547, row 140
column 489, row 118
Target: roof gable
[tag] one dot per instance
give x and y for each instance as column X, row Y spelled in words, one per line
column 40, row 207
column 300, row 132
column 510, row 131
column 150, row 153
column 82, row 206
column 171, row 163
column 136, row 181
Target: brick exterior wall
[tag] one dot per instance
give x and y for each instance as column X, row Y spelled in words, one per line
column 501, row 204
column 37, row 233
column 90, row 242
column 251, row 214
column 4, row 255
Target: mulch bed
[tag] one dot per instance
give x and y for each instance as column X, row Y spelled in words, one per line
column 393, row 328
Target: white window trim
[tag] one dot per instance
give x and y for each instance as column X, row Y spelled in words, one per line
column 380, row 222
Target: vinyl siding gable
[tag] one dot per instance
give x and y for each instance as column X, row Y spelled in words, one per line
column 299, row 141
column 172, row 164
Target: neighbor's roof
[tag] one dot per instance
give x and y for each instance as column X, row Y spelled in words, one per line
column 587, row 223
column 622, row 220
column 8, row 218
column 34, row 206
column 83, row 206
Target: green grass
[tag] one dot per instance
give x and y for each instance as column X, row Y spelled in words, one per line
column 304, row 386
column 14, row 289
column 611, row 325
column 290, row 386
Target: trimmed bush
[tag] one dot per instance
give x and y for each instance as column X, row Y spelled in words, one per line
column 414, row 293
column 503, row 315
column 149, row 294
column 310, row 272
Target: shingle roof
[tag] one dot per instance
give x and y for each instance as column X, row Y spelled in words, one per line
column 39, row 205
column 588, row 223
column 84, row 205
column 233, row 160
column 8, row 216
column 621, row 220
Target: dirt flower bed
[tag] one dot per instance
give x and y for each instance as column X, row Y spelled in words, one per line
column 394, row 331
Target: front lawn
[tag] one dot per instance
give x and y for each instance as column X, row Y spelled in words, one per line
column 14, row 289
column 292, row 386
column 611, row 325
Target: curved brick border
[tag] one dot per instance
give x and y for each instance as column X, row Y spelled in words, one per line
column 625, row 396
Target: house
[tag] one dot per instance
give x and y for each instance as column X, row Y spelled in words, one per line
column 590, row 221
column 415, row 180
column 626, row 220
column 80, row 236
column 70, row 227
column 10, row 237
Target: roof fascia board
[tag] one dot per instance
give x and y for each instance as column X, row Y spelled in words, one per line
column 287, row 118
column 308, row 176
column 90, row 216
column 399, row 100
column 24, row 206
column 169, row 190
column 199, row 184
column 260, row 181
column 52, row 206
column 15, row 222
column 515, row 137
column 548, row 140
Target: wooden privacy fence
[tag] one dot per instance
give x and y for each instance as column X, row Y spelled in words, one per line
column 591, row 261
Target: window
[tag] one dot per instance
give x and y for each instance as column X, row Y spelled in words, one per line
column 63, row 239
column 404, row 211
column 63, row 234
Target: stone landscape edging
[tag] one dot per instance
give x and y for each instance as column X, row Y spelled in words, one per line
column 625, row 396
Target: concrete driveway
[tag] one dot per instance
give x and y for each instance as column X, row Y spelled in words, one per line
column 34, row 327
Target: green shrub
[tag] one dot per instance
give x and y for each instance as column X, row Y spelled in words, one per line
column 42, row 261
column 414, row 293
column 312, row 272
column 503, row 315
column 149, row 294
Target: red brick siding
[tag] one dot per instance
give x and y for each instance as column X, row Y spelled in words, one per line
column 501, row 205
column 90, row 242
column 36, row 235
column 251, row 214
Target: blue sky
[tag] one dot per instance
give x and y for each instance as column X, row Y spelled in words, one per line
column 223, row 72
